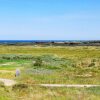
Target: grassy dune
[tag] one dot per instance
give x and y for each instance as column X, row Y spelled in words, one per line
column 50, row 65
column 40, row 93
column 60, row 51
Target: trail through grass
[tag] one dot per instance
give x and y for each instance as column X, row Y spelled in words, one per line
column 57, row 65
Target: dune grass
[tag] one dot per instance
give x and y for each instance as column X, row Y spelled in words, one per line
column 63, row 65
column 40, row 93
column 60, row 51
column 57, row 65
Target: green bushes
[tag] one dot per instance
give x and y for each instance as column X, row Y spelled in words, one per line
column 1, row 84
column 38, row 62
column 19, row 87
column 88, row 62
column 16, row 57
column 52, row 60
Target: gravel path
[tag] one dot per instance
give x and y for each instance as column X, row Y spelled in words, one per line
column 66, row 85
column 8, row 82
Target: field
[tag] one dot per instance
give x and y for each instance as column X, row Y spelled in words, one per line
column 50, row 65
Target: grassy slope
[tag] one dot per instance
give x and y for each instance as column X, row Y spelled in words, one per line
column 39, row 93
column 66, row 73
column 60, row 51
column 63, row 75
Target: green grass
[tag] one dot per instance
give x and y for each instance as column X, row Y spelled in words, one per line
column 60, row 76
column 55, row 69
column 60, row 65
column 70, row 52
column 40, row 93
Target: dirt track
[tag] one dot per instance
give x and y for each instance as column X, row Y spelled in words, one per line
column 66, row 85
column 8, row 82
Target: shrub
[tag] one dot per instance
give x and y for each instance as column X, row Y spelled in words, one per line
column 20, row 86
column 1, row 84
column 92, row 64
column 38, row 62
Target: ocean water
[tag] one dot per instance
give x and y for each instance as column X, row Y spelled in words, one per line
column 18, row 41
column 45, row 41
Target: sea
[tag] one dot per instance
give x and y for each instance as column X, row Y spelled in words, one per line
column 43, row 41
column 33, row 41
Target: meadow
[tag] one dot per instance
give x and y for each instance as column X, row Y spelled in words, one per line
column 50, row 65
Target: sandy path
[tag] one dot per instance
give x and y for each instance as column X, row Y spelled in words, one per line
column 4, row 64
column 6, row 71
column 66, row 85
column 7, row 82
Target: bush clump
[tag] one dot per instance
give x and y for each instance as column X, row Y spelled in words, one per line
column 1, row 84
column 38, row 62
column 20, row 86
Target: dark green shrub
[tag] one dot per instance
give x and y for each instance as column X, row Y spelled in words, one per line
column 38, row 62
column 20, row 86
column 16, row 57
column 1, row 84
column 92, row 64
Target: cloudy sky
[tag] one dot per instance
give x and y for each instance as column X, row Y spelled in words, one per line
column 49, row 19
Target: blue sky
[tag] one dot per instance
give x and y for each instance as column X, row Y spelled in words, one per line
column 49, row 19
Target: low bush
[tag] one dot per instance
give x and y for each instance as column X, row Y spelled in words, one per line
column 38, row 62
column 20, row 86
column 1, row 84
column 16, row 57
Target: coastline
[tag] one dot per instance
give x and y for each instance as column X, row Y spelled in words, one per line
column 51, row 42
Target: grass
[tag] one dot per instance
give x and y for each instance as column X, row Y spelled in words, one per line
column 60, row 76
column 55, row 65
column 69, row 52
column 53, row 68
column 40, row 93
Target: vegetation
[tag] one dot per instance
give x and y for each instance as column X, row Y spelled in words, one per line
column 50, row 65
column 20, row 92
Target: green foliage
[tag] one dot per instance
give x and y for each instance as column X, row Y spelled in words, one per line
column 1, row 84
column 92, row 64
column 19, row 87
column 16, row 57
column 41, row 93
column 94, row 90
column 57, row 65
column 38, row 62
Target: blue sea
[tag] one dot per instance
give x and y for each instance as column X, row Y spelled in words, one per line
column 33, row 41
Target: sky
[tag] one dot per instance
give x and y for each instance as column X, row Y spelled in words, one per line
column 49, row 19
